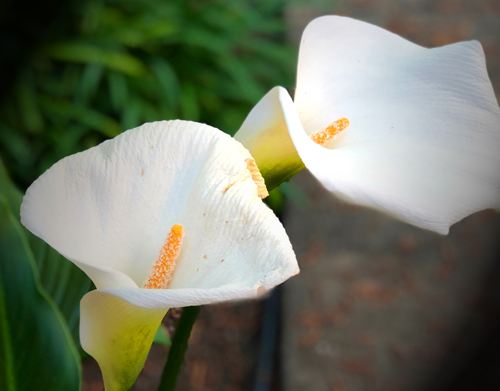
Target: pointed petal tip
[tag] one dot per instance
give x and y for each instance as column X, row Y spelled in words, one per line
column 118, row 335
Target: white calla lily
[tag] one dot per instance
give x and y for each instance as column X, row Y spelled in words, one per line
column 112, row 210
column 424, row 137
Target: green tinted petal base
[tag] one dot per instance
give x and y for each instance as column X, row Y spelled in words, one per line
column 265, row 133
column 118, row 335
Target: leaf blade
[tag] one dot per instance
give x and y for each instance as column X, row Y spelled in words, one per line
column 36, row 328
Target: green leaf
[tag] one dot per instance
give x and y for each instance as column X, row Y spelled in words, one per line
column 92, row 118
column 162, row 337
column 86, row 53
column 16, row 144
column 36, row 349
column 10, row 193
column 275, row 200
column 118, row 90
column 62, row 280
column 168, row 81
column 130, row 116
column 294, row 193
column 89, row 82
column 26, row 95
column 189, row 104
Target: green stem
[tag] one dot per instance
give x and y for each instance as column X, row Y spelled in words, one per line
column 178, row 348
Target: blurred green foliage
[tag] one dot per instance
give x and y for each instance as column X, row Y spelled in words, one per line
column 112, row 65
column 36, row 348
column 60, row 279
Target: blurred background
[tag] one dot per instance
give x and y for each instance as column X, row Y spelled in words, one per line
column 379, row 305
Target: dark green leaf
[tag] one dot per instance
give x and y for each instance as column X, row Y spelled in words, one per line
column 26, row 95
column 189, row 103
column 162, row 337
column 275, row 200
column 10, row 193
column 208, row 61
column 118, row 90
column 295, row 194
column 91, row 77
column 92, row 118
column 17, row 145
column 169, row 82
column 87, row 53
column 131, row 114
column 36, row 349
column 62, row 280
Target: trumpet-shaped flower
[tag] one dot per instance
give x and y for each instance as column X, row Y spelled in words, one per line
column 165, row 215
column 386, row 123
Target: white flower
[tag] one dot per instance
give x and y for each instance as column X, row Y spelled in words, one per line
column 423, row 135
column 166, row 205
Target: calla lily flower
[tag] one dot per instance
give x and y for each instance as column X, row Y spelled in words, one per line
column 382, row 122
column 165, row 215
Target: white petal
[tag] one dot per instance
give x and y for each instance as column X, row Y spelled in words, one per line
column 265, row 134
column 105, row 276
column 111, row 208
column 424, row 138
column 168, row 298
column 118, row 335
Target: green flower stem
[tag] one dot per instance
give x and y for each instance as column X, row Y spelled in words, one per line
column 179, row 346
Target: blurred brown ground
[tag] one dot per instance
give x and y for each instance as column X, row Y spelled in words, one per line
column 379, row 305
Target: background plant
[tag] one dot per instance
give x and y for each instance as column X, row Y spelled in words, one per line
column 112, row 65
column 98, row 68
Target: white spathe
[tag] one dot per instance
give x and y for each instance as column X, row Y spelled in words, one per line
column 424, row 137
column 110, row 208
